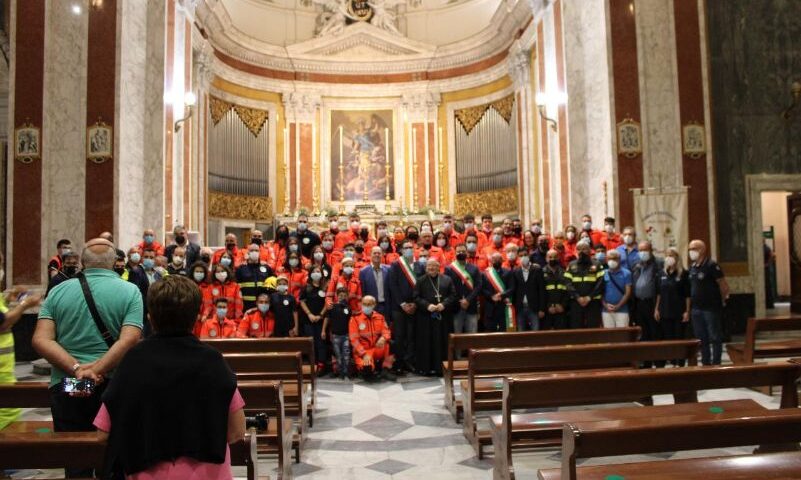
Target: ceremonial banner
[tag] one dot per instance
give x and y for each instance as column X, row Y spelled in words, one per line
column 661, row 218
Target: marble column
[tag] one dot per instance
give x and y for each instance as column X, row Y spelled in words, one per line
column 131, row 166
column 659, row 91
column 528, row 174
column 589, row 105
column 301, row 114
column 64, row 126
column 420, row 109
column 154, row 119
column 558, row 192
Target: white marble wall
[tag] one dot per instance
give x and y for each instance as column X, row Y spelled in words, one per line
column 550, row 137
column 64, row 127
column 659, row 93
column 590, row 118
column 154, row 127
column 130, row 120
column 179, row 87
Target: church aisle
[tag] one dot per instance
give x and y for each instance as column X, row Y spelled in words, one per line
column 386, row 430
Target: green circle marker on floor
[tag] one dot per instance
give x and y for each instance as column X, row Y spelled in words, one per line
column 614, row 477
column 43, row 430
column 499, row 385
column 716, row 410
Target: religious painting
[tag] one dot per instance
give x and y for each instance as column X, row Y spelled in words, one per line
column 27, row 143
column 361, row 155
column 694, row 140
column 99, row 142
column 629, row 138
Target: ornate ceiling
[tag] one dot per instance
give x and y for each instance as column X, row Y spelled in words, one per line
column 298, row 39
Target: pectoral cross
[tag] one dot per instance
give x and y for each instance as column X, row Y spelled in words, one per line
column 439, row 297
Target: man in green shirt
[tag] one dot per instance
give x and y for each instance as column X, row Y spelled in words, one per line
column 67, row 336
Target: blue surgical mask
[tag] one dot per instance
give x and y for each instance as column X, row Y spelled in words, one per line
column 221, row 312
column 349, row 253
column 135, row 257
column 347, row 270
column 263, row 307
column 645, row 256
column 423, row 260
column 225, row 261
column 600, row 256
column 149, row 239
column 367, row 310
column 282, row 288
column 148, row 263
column 408, row 254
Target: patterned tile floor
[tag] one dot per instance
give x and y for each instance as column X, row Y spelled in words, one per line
column 401, row 430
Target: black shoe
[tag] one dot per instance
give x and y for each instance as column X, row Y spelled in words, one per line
column 399, row 372
column 387, row 375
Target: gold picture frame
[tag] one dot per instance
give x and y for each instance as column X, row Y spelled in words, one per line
column 693, row 140
column 629, row 138
column 99, row 142
column 27, row 143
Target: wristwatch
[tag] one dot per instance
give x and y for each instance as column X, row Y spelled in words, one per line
column 75, row 367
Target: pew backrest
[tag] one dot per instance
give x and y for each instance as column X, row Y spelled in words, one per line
column 24, row 395
column 52, row 450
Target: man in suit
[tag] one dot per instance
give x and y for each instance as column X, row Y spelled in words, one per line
column 402, row 308
column 375, row 280
column 467, row 282
column 498, row 289
column 529, row 294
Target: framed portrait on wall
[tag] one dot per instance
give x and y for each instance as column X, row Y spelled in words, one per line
column 629, row 138
column 362, row 155
column 27, row 143
column 693, row 140
column 99, row 142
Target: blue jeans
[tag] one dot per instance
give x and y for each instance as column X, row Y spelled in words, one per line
column 707, row 328
column 341, row 344
column 527, row 319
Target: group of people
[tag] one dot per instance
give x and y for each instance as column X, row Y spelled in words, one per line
column 380, row 301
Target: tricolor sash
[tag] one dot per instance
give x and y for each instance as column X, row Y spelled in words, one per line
column 407, row 271
column 510, row 315
column 463, row 274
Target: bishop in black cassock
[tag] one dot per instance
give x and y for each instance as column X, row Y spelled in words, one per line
column 435, row 297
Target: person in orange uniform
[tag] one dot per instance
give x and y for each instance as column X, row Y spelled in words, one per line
column 231, row 248
column 149, row 241
column 369, row 339
column 217, row 324
column 609, row 238
column 350, row 235
column 258, row 322
column 495, row 244
column 224, row 286
column 586, row 225
column 454, row 238
column 349, row 279
column 469, row 222
column 295, row 271
column 471, row 243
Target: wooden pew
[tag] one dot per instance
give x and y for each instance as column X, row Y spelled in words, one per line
column 455, row 370
column 304, row 345
column 669, row 434
column 284, row 367
column 37, row 395
column 484, row 389
column 745, row 353
column 268, row 396
column 510, row 430
column 19, row 450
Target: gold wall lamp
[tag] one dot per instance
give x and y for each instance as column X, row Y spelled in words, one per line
column 553, row 100
column 795, row 91
column 189, row 101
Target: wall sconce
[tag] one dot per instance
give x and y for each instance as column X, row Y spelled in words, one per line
column 553, row 100
column 795, row 91
column 189, row 102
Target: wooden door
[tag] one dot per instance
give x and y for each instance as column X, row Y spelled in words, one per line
column 794, row 219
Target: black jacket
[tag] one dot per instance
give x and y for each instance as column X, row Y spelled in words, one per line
column 532, row 290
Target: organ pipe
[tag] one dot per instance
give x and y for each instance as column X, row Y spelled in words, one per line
column 238, row 160
column 486, row 159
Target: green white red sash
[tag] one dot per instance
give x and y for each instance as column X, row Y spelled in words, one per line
column 407, row 271
column 463, row 274
column 510, row 315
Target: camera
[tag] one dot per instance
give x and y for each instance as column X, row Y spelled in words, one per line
column 258, row 421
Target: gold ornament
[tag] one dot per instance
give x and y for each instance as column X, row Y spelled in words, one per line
column 505, row 107
column 218, row 109
column 503, row 200
column 469, row 117
column 252, row 118
column 242, row 207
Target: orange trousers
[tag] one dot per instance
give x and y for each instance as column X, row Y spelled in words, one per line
column 378, row 356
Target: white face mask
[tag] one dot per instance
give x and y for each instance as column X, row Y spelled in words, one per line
column 199, row 276
column 316, row 276
column 319, row 256
column 442, row 242
column 253, row 256
column 570, row 235
column 178, row 260
column 382, row 232
column 525, row 262
column 511, row 255
column 694, row 255
column 613, row 264
column 469, row 226
column 628, row 239
column 609, row 229
column 221, row 276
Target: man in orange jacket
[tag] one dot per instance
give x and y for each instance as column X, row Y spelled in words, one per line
column 258, row 322
column 369, row 338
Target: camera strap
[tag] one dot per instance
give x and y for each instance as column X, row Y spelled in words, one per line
column 90, row 302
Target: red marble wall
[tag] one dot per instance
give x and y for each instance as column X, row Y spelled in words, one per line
column 544, row 128
column 28, row 104
column 100, row 98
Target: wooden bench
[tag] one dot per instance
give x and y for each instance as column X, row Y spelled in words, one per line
column 484, row 386
column 304, row 345
column 745, row 353
column 780, row 429
column 37, row 395
column 284, row 367
column 511, row 431
column 456, row 370
column 36, row 450
column 268, row 396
